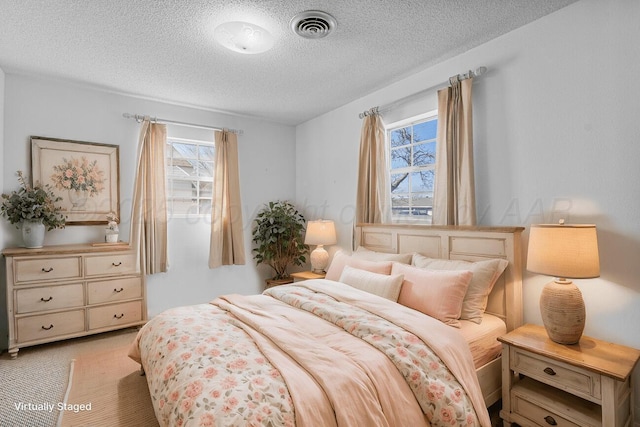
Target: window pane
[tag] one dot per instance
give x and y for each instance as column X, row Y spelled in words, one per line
column 421, row 204
column 401, row 137
column 183, row 168
column 424, row 154
column 425, row 130
column 185, row 151
column 205, row 169
column 422, row 181
column 399, row 183
column 205, row 206
column 182, row 189
column 400, row 157
column 206, row 189
column 399, row 204
column 206, row 152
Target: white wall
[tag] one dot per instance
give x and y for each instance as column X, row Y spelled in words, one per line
column 53, row 109
column 556, row 135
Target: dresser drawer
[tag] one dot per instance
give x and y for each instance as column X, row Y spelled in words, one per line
column 115, row 314
column 46, row 326
column 49, row 298
column 114, row 290
column 109, row 265
column 38, row 270
column 561, row 375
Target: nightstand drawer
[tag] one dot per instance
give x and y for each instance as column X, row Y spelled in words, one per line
column 46, row 326
column 49, row 298
column 32, row 270
column 109, row 265
column 561, row 375
column 546, row 406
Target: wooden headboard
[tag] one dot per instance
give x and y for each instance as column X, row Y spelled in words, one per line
column 463, row 243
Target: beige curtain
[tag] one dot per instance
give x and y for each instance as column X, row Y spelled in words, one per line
column 454, row 193
column 227, row 241
column 374, row 194
column 149, row 210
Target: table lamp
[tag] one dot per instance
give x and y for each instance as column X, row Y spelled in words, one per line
column 563, row 251
column 320, row 233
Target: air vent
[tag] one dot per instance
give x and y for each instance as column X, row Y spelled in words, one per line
column 313, row 24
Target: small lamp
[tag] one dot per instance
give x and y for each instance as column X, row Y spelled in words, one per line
column 563, row 251
column 320, row 233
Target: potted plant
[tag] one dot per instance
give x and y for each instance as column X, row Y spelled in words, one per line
column 33, row 209
column 112, row 230
column 279, row 239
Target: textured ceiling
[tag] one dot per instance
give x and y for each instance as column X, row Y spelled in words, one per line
column 164, row 50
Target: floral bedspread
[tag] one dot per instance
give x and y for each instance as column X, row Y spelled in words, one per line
column 247, row 360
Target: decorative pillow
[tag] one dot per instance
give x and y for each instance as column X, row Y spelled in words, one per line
column 364, row 253
column 438, row 294
column 485, row 275
column 378, row 284
column 341, row 259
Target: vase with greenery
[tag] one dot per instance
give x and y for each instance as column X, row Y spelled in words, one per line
column 30, row 206
column 279, row 238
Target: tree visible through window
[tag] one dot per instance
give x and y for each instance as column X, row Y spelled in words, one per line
column 189, row 177
column 413, row 157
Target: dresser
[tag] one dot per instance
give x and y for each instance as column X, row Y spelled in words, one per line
column 66, row 291
column 549, row 384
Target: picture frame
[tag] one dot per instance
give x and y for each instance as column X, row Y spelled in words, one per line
column 86, row 175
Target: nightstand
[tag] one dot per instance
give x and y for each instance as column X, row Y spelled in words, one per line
column 306, row 275
column 545, row 383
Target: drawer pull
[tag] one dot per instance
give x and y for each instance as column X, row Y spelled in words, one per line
column 47, row 270
column 549, row 419
column 46, row 329
column 549, row 371
column 117, row 291
column 116, row 265
column 46, row 300
column 118, row 317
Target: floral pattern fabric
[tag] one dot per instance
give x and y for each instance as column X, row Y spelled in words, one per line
column 203, row 369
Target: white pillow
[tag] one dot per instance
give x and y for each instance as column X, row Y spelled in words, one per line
column 369, row 255
column 340, row 259
column 378, row 284
column 485, row 275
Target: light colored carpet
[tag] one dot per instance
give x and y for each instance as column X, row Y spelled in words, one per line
column 38, row 378
column 107, row 389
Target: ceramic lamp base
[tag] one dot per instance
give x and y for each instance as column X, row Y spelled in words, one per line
column 563, row 312
column 319, row 259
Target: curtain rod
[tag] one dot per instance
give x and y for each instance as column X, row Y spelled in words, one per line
column 139, row 117
column 375, row 110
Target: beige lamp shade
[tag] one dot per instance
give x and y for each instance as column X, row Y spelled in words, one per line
column 566, row 251
column 320, row 232
column 563, row 251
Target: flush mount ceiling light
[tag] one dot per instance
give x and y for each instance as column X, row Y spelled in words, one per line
column 313, row 24
column 243, row 37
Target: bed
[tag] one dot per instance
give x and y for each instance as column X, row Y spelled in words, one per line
column 322, row 352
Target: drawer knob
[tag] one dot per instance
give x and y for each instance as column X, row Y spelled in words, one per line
column 118, row 290
column 549, row 419
column 46, row 329
column 46, row 300
column 549, row 371
column 47, row 270
column 118, row 317
column 116, row 265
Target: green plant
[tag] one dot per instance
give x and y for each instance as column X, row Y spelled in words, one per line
column 279, row 235
column 32, row 203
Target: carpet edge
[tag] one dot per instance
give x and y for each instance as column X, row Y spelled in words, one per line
column 66, row 393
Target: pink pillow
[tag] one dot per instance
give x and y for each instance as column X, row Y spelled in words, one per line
column 437, row 293
column 340, row 260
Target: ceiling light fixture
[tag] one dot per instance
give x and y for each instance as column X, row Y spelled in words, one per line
column 313, row 24
column 243, row 37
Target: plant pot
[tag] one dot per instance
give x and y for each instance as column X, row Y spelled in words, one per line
column 33, row 233
column 110, row 236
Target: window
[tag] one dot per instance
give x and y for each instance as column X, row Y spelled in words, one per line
column 189, row 177
column 412, row 145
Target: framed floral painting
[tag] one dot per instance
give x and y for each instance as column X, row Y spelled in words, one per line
column 84, row 174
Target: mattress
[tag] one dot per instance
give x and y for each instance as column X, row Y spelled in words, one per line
column 482, row 338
